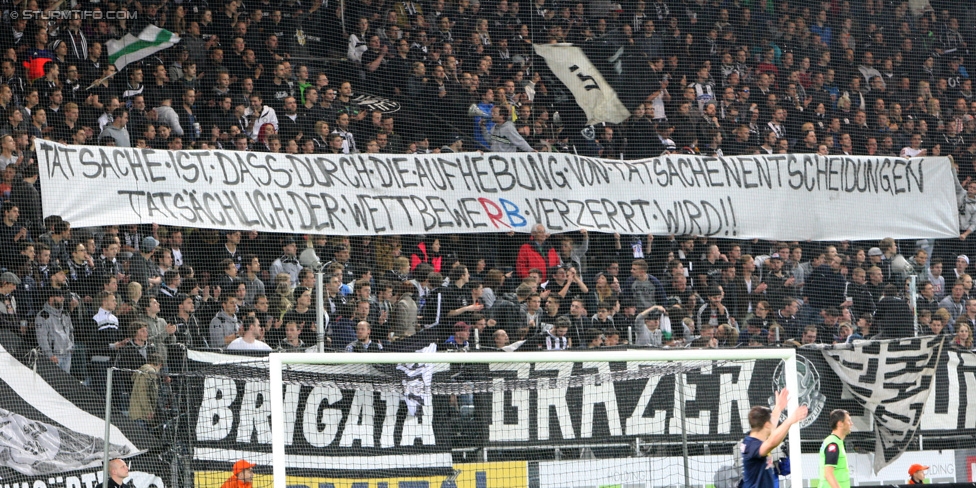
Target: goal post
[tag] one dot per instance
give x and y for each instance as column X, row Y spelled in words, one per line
column 288, row 368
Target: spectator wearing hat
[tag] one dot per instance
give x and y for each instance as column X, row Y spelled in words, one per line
column 288, row 262
column 962, row 262
column 714, row 312
column 916, row 474
column 455, row 146
column 142, row 269
column 55, row 332
column 243, row 475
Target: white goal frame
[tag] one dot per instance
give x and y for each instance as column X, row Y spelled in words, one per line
column 279, row 360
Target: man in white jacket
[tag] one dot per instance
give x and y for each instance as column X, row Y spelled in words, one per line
column 259, row 114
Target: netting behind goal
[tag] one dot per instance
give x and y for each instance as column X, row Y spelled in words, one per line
column 492, row 419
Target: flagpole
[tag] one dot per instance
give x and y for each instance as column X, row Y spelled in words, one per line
column 108, row 425
column 96, row 82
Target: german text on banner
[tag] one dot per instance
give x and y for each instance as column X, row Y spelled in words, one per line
column 788, row 197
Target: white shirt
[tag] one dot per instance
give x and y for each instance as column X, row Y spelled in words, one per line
column 240, row 344
column 910, row 152
column 267, row 116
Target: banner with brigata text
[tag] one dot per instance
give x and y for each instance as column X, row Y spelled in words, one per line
column 789, row 196
column 535, row 405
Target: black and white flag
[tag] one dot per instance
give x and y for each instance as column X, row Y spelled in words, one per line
column 891, row 379
column 48, row 425
column 591, row 90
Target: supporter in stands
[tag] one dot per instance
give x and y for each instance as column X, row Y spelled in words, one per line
column 145, row 391
column 106, row 340
column 9, row 317
column 536, row 254
column 501, row 339
column 292, row 342
column 189, row 331
column 116, row 131
column 363, row 343
column 251, row 276
column 81, row 270
column 55, row 332
column 134, row 353
column 810, row 334
column 937, row 325
column 579, row 322
column 249, row 337
column 648, row 326
column 225, row 324
column 894, row 316
column 459, row 340
column 228, row 275
column 142, row 269
column 964, row 337
column 11, row 232
column 304, row 315
column 288, row 262
column 714, row 312
column 162, row 333
column 642, row 288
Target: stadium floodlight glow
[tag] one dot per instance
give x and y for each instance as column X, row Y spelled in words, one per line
column 291, row 368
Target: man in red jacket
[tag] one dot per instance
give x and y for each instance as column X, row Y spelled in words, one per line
column 536, row 254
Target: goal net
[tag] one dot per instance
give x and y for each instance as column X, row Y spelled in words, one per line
column 646, row 418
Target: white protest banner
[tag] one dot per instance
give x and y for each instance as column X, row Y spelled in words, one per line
column 789, row 197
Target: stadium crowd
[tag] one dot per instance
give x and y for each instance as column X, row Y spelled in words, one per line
column 699, row 76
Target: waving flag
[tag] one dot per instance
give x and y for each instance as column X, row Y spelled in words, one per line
column 591, row 90
column 50, row 424
column 132, row 48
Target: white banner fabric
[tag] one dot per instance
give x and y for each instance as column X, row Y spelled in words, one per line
column 590, row 89
column 787, row 197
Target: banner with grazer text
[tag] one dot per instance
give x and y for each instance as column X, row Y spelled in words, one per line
column 537, row 405
column 790, row 197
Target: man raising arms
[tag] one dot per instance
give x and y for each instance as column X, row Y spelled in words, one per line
column 764, row 436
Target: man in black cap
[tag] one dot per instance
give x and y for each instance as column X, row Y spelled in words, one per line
column 288, row 262
column 457, row 142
